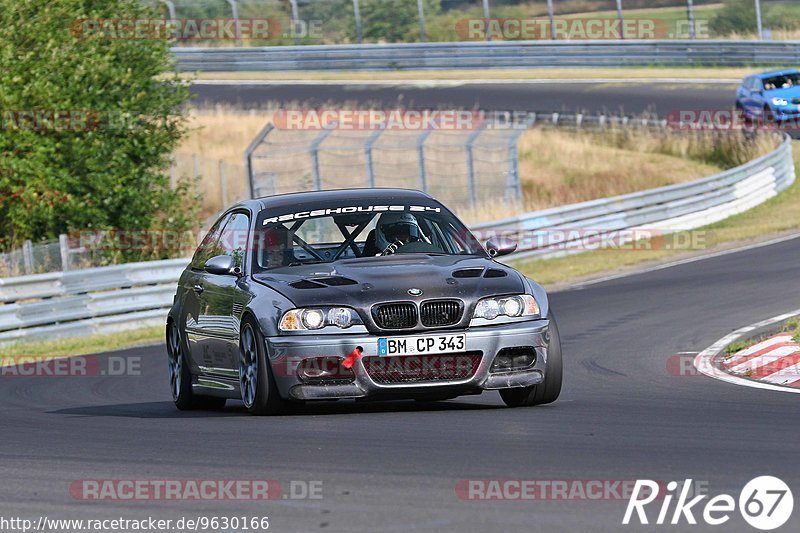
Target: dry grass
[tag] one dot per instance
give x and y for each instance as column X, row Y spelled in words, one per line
column 219, row 134
column 559, row 167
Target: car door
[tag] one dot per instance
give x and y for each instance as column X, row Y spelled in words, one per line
column 743, row 93
column 221, row 304
column 755, row 101
column 194, row 304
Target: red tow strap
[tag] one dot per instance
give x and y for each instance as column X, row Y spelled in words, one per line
column 351, row 359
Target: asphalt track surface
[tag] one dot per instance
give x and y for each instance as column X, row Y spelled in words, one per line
column 617, row 97
column 394, row 466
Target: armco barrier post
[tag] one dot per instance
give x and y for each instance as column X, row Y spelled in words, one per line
column 513, row 182
column 423, row 174
column 223, row 184
column 357, row 16
column 486, row 15
column 368, row 143
column 248, row 156
column 473, row 194
column 421, row 11
column 27, row 257
column 63, row 247
column 314, row 152
column 295, row 21
column 237, row 28
column 171, row 8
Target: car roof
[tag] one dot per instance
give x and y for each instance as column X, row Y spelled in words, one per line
column 338, row 195
column 772, row 73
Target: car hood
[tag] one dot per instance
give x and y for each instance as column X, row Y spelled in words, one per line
column 793, row 92
column 362, row 282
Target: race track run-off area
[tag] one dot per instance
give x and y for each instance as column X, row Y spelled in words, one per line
column 398, row 466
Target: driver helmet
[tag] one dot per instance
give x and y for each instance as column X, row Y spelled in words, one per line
column 393, row 227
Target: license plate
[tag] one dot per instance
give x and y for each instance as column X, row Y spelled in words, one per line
column 428, row 344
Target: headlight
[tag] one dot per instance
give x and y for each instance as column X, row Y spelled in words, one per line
column 510, row 306
column 313, row 318
column 780, row 101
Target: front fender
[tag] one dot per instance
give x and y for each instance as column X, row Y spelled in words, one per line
column 540, row 294
column 267, row 307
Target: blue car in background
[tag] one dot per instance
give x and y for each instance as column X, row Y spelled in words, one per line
column 770, row 96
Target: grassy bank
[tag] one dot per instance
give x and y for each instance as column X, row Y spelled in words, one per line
column 83, row 345
column 776, row 216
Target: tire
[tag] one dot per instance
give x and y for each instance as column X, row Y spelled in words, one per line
column 180, row 378
column 547, row 391
column 256, row 382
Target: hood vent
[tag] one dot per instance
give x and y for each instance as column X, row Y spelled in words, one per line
column 321, row 283
column 306, row 284
column 495, row 273
column 335, row 281
column 468, row 273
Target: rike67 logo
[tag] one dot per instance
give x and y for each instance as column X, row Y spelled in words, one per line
column 765, row 503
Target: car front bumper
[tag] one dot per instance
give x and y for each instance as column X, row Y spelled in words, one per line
column 287, row 352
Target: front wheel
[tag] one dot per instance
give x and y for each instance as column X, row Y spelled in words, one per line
column 180, row 379
column 259, row 392
column 547, row 391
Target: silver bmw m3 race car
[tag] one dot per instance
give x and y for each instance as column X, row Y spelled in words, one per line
column 363, row 293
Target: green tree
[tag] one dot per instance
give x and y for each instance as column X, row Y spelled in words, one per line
column 737, row 16
column 394, row 20
column 88, row 122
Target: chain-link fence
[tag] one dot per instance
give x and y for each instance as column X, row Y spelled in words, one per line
column 461, row 168
column 219, row 183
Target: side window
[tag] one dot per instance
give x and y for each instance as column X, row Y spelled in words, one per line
column 210, row 246
column 233, row 241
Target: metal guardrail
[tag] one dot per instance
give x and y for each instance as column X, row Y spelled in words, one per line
column 683, row 206
column 481, row 55
column 98, row 300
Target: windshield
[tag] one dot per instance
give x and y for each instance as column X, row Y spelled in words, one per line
column 327, row 234
column 784, row 81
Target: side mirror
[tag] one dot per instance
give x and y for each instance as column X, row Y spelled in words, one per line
column 222, row 265
column 503, row 247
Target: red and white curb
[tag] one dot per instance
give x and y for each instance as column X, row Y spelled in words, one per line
column 772, row 364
